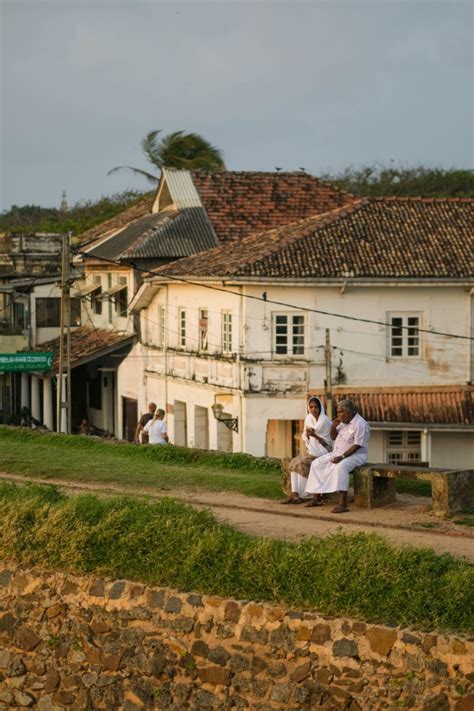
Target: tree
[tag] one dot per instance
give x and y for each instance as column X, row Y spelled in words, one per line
column 418, row 181
column 188, row 151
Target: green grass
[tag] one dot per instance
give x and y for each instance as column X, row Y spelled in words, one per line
column 170, row 543
column 415, row 488
column 465, row 520
column 85, row 459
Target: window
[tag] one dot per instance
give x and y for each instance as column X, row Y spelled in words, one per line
column 48, row 312
column 203, row 329
column 226, row 332
column 182, row 328
column 75, row 312
column 121, row 302
column 109, row 301
column 96, row 302
column 404, row 335
column 161, row 326
column 19, row 316
column 403, row 447
column 289, row 334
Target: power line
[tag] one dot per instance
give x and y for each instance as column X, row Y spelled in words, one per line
column 307, row 309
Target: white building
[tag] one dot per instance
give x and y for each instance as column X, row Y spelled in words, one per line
column 243, row 325
column 190, row 213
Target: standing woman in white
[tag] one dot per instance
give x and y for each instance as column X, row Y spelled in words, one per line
column 331, row 472
column 317, row 438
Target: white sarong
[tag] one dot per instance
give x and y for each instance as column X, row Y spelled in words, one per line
column 326, row 477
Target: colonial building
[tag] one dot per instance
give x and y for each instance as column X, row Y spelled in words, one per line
column 243, row 327
column 190, row 213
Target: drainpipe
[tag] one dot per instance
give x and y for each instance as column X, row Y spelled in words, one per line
column 167, row 311
column 239, row 368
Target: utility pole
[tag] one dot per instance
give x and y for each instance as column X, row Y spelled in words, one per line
column 65, row 325
column 328, row 380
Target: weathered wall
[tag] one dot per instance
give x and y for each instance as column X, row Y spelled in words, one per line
column 87, row 643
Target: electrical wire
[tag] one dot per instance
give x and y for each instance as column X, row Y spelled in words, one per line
column 307, row 309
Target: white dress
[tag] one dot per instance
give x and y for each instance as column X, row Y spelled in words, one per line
column 325, row 476
column 300, row 466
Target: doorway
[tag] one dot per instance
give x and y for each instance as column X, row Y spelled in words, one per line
column 129, row 418
column 201, row 427
column 180, row 423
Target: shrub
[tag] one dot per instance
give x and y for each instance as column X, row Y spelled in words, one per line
column 170, row 543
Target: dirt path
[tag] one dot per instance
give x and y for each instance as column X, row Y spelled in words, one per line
column 405, row 523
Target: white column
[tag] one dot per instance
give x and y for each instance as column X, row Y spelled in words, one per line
column 48, row 403
column 426, row 446
column 25, row 390
column 63, row 409
column 35, row 397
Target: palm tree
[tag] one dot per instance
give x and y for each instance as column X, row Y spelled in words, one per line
column 188, row 151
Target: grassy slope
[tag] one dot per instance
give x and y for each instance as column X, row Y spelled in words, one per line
column 37, row 454
column 358, row 575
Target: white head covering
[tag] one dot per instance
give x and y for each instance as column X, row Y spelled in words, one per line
column 321, row 425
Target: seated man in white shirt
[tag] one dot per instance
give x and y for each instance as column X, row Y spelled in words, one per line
column 157, row 429
column 331, row 472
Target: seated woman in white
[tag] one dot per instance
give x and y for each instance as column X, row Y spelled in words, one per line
column 317, row 438
column 157, row 429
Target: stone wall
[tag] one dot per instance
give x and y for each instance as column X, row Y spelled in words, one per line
column 87, row 643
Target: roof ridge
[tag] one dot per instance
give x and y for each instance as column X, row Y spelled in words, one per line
column 418, row 198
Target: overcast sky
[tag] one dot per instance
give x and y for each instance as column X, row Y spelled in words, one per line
column 322, row 85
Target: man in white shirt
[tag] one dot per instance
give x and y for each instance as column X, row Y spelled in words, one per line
column 331, row 472
column 157, row 429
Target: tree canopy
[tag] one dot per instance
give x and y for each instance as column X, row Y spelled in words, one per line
column 79, row 218
column 383, row 181
column 188, row 151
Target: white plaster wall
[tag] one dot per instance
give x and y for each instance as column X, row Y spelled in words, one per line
column 195, row 379
column 362, row 347
column 376, row 446
column 452, row 450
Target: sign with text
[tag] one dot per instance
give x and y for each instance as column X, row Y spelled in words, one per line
column 25, row 362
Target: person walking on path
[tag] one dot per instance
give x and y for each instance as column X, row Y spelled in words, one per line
column 317, row 438
column 142, row 422
column 331, row 472
column 156, row 429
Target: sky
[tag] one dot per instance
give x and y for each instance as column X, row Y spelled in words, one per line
column 301, row 83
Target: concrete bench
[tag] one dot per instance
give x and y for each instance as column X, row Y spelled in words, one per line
column 452, row 490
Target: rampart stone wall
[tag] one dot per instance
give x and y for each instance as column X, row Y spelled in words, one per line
column 84, row 643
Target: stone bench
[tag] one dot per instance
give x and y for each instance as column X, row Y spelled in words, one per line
column 452, row 490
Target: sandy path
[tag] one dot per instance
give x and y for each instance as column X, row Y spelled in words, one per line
column 401, row 524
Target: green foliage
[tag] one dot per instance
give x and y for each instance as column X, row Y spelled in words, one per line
column 372, row 181
column 79, row 218
column 185, row 151
column 358, row 575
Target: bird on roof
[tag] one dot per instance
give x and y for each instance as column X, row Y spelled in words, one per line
column 277, row 167
column 303, row 169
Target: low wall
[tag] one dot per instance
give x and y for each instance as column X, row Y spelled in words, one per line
column 87, row 643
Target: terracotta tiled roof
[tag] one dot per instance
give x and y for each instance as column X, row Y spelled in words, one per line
column 87, row 344
column 377, row 237
column 242, row 203
column 449, row 405
column 124, row 218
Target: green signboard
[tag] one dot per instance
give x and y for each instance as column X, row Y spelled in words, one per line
column 29, row 362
